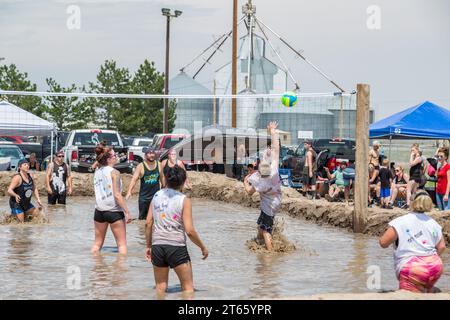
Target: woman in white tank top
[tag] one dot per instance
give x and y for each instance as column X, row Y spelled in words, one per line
column 169, row 220
column 110, row 207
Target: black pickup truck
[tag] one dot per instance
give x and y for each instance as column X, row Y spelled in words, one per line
column 330, row 152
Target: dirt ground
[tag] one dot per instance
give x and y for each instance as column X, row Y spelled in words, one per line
column 220, row 188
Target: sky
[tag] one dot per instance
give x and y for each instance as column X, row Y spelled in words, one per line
column 404, row 55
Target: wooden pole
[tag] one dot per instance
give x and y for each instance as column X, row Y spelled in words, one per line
column 362, row 149
column 234, row 64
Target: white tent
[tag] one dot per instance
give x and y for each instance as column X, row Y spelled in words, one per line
column 15, row 121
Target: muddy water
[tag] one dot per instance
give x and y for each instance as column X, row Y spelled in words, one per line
column 42, row 261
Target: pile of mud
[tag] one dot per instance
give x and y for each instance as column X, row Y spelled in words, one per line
column 8, row 219
column 279, row 241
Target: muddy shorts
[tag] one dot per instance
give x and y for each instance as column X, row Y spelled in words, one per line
column 164, row 256
column 421, row 273
column 108, row 216
column 56, row 197
column 265, row 222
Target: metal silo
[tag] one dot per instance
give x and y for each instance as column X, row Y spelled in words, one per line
column 190, row 110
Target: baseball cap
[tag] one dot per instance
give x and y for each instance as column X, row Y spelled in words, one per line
column 21, row 162
column 264, row 169
column 59, row 153
column 146, row 150
column 307, row 141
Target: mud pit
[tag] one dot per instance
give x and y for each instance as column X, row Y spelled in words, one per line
column 220, row 188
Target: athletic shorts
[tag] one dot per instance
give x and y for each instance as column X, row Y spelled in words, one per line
column 385, row 192
column 57, row 198
column 144, row 205
column 164, row 256
column 265, row 222
column 421, row 273
column 108, row 216
column 18, row 209
column 310, row 181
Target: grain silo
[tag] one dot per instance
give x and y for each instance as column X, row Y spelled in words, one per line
column 190, row 110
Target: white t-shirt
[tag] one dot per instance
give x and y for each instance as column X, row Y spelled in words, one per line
column 418, row 235
column 269, row 190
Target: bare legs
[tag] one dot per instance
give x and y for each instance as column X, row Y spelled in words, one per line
column 119, row 231
column 184, row 273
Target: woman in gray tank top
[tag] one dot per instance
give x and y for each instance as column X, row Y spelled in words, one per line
column 168, row 222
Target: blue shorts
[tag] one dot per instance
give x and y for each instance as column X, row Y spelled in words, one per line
column 19, row 210
column 385, row 192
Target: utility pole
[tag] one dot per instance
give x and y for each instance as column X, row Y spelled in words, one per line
column 214, row 103
column 234, row 64
column 166, row 12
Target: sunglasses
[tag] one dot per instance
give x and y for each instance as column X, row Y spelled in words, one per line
column 60, row 156
column 397, row 171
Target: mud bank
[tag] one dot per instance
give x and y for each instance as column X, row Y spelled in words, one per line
column 220, row 188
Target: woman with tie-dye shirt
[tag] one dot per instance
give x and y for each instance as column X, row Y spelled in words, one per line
column 418, row 244
column 169, row 220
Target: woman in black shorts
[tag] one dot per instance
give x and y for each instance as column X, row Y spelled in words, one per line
column 169, row 219
column 111, row 208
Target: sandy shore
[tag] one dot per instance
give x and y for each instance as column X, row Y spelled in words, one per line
column 220, row 188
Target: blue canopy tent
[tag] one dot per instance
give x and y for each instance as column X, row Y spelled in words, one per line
column 424, row 121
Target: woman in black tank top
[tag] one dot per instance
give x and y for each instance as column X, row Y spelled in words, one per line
column 415, row 173
column 172, row 161
column 399, row 186
column 21, row 190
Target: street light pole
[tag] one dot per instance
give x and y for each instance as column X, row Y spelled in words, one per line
column 167, row 13
column 166, row 79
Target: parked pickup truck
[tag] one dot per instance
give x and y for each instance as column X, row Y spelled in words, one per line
column 330, row 153
column 80, row 149
column 136, row 146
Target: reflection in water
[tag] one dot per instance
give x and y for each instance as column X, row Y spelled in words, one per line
column 108, row 274
column 357, row 266
column 20, row 248
column 267, row 274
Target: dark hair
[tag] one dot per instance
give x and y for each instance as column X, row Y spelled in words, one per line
column 102, row 152
column 444, row 151
column 175, row 177
column 250, row 166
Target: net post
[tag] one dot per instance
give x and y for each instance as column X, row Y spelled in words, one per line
column 362, row 146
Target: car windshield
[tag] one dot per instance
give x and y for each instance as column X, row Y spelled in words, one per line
column 144, row 143
column 93, row 138
column 338, row 148
column 170, row 142
column 10, row 152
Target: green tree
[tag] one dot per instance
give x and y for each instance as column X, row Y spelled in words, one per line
column 12, row 79
column 110, row 79
column 67, row 112
column 147, row 80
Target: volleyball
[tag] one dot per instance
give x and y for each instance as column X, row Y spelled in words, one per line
column 289, row 99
